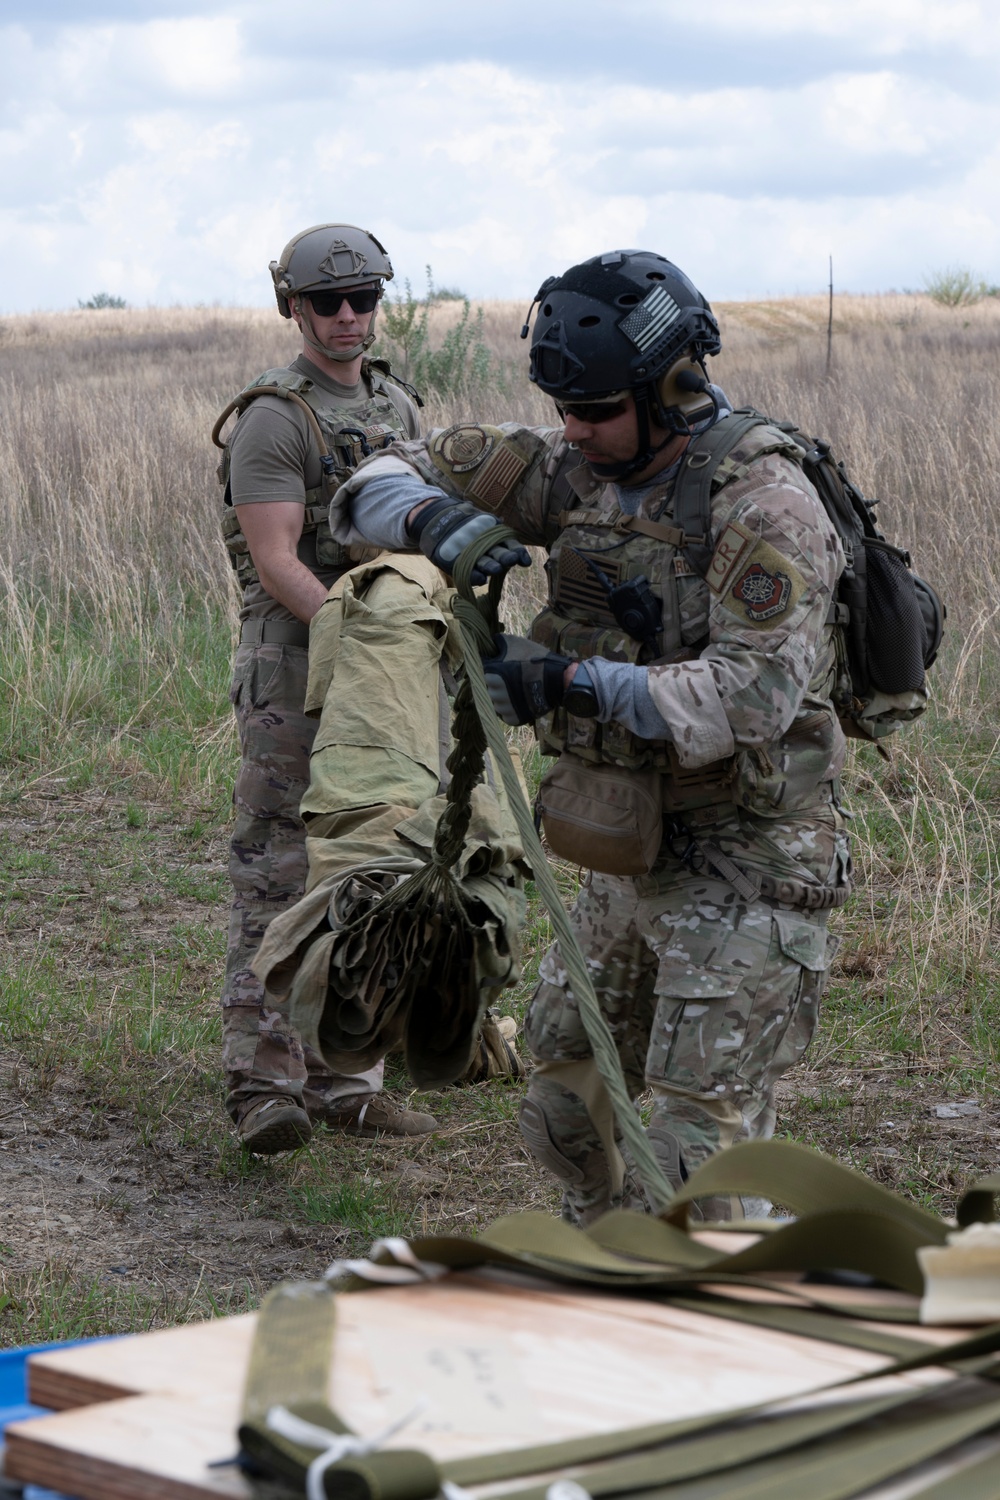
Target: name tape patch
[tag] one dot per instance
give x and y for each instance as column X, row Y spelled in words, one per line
column 732, row 550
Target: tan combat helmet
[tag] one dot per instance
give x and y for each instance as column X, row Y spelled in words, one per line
column 329, row 258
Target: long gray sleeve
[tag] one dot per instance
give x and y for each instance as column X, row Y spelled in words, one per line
column 623, row 695
column 373, row 507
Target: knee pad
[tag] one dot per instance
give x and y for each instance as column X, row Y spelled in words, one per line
column 538, row 1139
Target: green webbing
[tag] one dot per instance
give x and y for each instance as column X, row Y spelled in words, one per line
column 287, row 1368
column 744, row 1449
column 977, row 1204
column 477, row 638
column 976, row 1482
column 290, row 1361
column 292, row 1348
column 807, row 1323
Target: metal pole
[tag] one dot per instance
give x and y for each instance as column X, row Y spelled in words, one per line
column 829, row 324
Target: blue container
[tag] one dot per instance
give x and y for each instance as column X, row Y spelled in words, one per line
column 14, row 1403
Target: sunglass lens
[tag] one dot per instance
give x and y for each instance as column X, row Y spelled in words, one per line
column 591, row 412
column 327, row 304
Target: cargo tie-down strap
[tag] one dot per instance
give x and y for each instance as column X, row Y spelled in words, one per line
column 826, row 1451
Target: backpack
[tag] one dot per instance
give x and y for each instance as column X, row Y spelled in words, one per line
column 888, row 622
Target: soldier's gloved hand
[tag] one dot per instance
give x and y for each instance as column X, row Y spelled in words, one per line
column 444, row 528
column 525, row 680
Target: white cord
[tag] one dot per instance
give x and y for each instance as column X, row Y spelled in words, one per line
column 405, row 1269
column 333, row 1445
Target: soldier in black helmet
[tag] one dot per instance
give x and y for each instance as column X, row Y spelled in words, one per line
column 300, row 431
column 682, row 676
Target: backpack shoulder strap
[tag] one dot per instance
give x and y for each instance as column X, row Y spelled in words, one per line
column 695, row 481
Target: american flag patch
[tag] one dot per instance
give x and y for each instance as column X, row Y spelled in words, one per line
column 651, row 318
column 497, row 477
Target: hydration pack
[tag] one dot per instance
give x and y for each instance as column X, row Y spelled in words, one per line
column 887, row 621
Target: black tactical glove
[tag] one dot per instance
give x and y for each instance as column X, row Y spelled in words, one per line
column 526, row 681
column 445, row 527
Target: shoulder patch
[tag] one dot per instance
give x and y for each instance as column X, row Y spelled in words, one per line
column 482, row 461
column 461, row 449
column 763, row 585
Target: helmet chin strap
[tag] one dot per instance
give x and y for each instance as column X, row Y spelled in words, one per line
column 646, row 451
column 341, row 356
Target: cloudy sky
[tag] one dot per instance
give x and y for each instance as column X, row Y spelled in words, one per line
column 164, row 150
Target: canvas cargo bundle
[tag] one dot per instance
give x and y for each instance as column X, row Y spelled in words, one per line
column 410, row 920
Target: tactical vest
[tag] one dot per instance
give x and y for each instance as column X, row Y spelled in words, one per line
column 577, row 622
column 343, row 441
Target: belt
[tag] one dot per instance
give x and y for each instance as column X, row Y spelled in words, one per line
column 274, row 633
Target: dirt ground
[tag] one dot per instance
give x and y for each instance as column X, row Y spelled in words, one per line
column 124, row 1200
column 118, row 1161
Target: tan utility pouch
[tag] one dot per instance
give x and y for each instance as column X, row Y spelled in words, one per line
column 602, row 817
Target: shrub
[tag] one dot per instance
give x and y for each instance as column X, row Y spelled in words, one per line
column 462, row 358
column 956, row 286
column 103, row 299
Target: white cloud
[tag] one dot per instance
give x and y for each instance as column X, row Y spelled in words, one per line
column 170, row 159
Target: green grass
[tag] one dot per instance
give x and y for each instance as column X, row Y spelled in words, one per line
column 83, row 704
column 50, row 1304
column 364, row 1207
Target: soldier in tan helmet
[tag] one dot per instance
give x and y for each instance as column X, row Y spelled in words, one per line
column 300, row 431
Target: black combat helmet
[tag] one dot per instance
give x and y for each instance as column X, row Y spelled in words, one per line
column 620, row 322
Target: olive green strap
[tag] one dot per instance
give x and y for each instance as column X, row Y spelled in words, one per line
column 977, row 1202
column 809, row 1323
column 736, row 1452
column 289, row 1369
column 978, row 1481
column 292, row 1348
column 477, row 639
column 848, row 1464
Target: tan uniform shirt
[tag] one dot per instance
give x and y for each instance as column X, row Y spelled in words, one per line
column 274, row 457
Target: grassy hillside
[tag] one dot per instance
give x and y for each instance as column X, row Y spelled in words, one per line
column 125, row 1200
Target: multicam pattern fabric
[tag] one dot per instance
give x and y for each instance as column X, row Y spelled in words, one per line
column 711, row 969
column 261, row 1052
column 710, row 997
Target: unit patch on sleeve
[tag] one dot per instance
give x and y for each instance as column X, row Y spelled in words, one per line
column 464, row 448
column 764, row 585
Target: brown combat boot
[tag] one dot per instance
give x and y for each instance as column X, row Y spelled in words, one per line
column 496, row 1055
column 272, row 1123
column 370, row 1116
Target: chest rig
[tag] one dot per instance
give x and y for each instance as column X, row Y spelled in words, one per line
column 343, row 439
column 596, row 566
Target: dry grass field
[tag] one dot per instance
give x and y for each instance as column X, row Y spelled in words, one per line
column 124, row 1200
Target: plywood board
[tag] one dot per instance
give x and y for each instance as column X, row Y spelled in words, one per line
column 184, row 1361
column 141, row 1448
column 497, row 1364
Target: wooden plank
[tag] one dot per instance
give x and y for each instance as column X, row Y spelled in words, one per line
column 172, row 1361
column 141, row 1448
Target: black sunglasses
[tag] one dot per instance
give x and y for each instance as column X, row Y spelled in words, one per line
column 593, row 413
column 364, row 299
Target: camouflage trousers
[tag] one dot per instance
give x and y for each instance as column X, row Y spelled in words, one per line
column 261, row 1052
column 710, row 997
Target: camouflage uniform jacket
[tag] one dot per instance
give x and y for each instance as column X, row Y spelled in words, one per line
column 742, row 667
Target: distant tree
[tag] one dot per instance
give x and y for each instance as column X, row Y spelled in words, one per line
column 103, row 299
column 956, row 286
